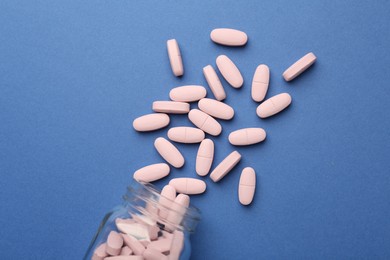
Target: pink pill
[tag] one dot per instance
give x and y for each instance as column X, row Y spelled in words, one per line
column 188, row 186
column 152, row 172
column 247, row 186
column 214, row 82
column 216, row 108
column 171, row 107
column 100, row 252
column 126, row 251
column 125, row 257
column 260, row 83
column 205, row 156
column 205, row 122
column 187, row 135
column 225, row 166
column 188, row 93
column 273, row 105
column 247, row 136
column 153, row 254
column 114, row 243
column 177, row 245
column 228, row 37
column 175, row 57
column 134, row 244
column 169, row 152
column 168, row 195
column 151, row 122
column 229, row 71
column 162, row 245
column 178, row 210
column 299, row 66
column 153, row 232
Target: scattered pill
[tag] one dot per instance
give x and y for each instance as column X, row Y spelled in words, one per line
column 205, row 122
column 171, row 107
column 189, row 186
column 126, row 251
column 151, row 122
column 273, row 105
column 247, row 186
column 134, row 244
column 114, row 243
column 260, row 83
column 177, row 245
column 229, row 71
column 152, row 172
column 177, row 212
column 225, row 166
column 228, row 37
column 204, row 157
column 190, row 93
column 153, row 254
column 299, row 66
column 247, row 136
column 184, row 134
column 100, row 252
column 216, row 108
column 169, row 152
column 214, row 83
column 168, row 195
column 175, row 57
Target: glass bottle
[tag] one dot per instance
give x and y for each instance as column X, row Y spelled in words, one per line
column 142, row 203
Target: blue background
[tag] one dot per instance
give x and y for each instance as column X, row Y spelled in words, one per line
column 74, row 74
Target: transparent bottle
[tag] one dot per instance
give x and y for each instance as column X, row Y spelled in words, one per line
column 142, row 202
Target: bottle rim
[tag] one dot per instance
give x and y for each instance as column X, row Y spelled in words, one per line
column 148, row 193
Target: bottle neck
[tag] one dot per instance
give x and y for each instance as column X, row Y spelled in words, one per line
column 142, row 200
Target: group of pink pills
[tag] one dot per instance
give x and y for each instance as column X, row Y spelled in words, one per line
column 205, row 122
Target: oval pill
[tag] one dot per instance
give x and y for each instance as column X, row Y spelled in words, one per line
column 168, row 195
column 189, row 93
column 171, row 107
column 204, row 157
column 273, row 105
column 188, row 186
column 134, row 244
column 216, row 108
column 247, row 136
column 151, row 122
column 153, row 254
column 247, row 186
column 229, row 71
column 169, row 152
column 214, row 83
column 299, row 66
column 205, row 122
column 177, row 245
column 178, row 210
column 100, row 252
column 152, row 172
column 228, row 37
column 187, row 135
column 260, row 83
column 225, row 166
column 175, row 57
column 114, row 243
column 125, row 257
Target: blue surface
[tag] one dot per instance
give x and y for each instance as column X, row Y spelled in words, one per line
column 74, row 74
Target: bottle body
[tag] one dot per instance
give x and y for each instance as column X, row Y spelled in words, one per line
column 145, row 224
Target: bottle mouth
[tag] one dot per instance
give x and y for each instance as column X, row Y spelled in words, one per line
column 144, row 198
